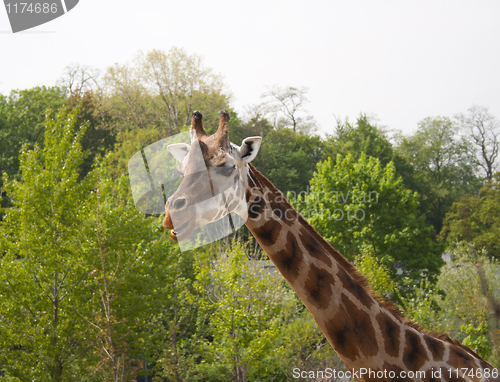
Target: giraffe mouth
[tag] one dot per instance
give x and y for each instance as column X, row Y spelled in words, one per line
column 174, row 233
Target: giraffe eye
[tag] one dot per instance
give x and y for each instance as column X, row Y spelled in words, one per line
column 224, row 171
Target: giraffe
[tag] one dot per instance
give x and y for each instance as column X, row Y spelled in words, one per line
column 371, row 337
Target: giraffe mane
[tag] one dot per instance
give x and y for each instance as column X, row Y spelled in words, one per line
column 354, row 273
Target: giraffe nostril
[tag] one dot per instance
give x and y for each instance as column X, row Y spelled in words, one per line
column 180, row 203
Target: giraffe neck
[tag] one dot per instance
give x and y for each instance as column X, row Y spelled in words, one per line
column 364, row 331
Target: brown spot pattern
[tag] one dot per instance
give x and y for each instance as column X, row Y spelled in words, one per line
column 248, row 194
column 314, row 248
column 289, row 259
column 282, row 211
column 435, row 346
column 351, row 331
column 268, row 233
column 355, row 288
column 390, row 332
column 318, row 287
column 460, row 358
column 414, row 355
column 256, row 209
column 251, row 182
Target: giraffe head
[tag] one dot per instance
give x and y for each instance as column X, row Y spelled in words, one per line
column 214, row 174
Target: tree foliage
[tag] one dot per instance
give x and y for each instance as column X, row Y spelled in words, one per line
column 246, row 305
column 460, row 302
column 162, row 89
column 90, row 290
column 302, row 345
column 365, row 137
column 469, row 282
column 362, row 137
column 289, row 159
column 22, row 117
column 177, row 325
column 75, row 277
column 476, row 219
column 41, row 278
column 99, row 137
column 444, row 166
column 378, row 275
column 355, row 204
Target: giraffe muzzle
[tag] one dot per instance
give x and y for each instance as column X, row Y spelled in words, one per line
column 172, row 235
column 167, row 224
column 174, row 232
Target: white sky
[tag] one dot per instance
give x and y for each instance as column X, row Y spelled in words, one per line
column 400, row 60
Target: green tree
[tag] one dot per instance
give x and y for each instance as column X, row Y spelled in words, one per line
column 76, row 278
column 302, row 345
column 40, row 275
column 246, row 304
column 460, row 303
column 128, row 142
column 100, row 136
column 378, row 275
column 471, row 284
column 356, row 204
column 366, row 137
column 177, row 326
column 423, row 305
column 289, row 159
column 22, row 117
column 362, row 137
column 445, row 166
column 476, row 219
column 477, row 339
column 162, row 89
column 125, row 261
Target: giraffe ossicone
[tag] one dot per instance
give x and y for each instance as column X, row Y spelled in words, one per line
column 375, row 342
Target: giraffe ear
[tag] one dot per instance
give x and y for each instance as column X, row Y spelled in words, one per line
column 249, row 148
column 179, row 150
